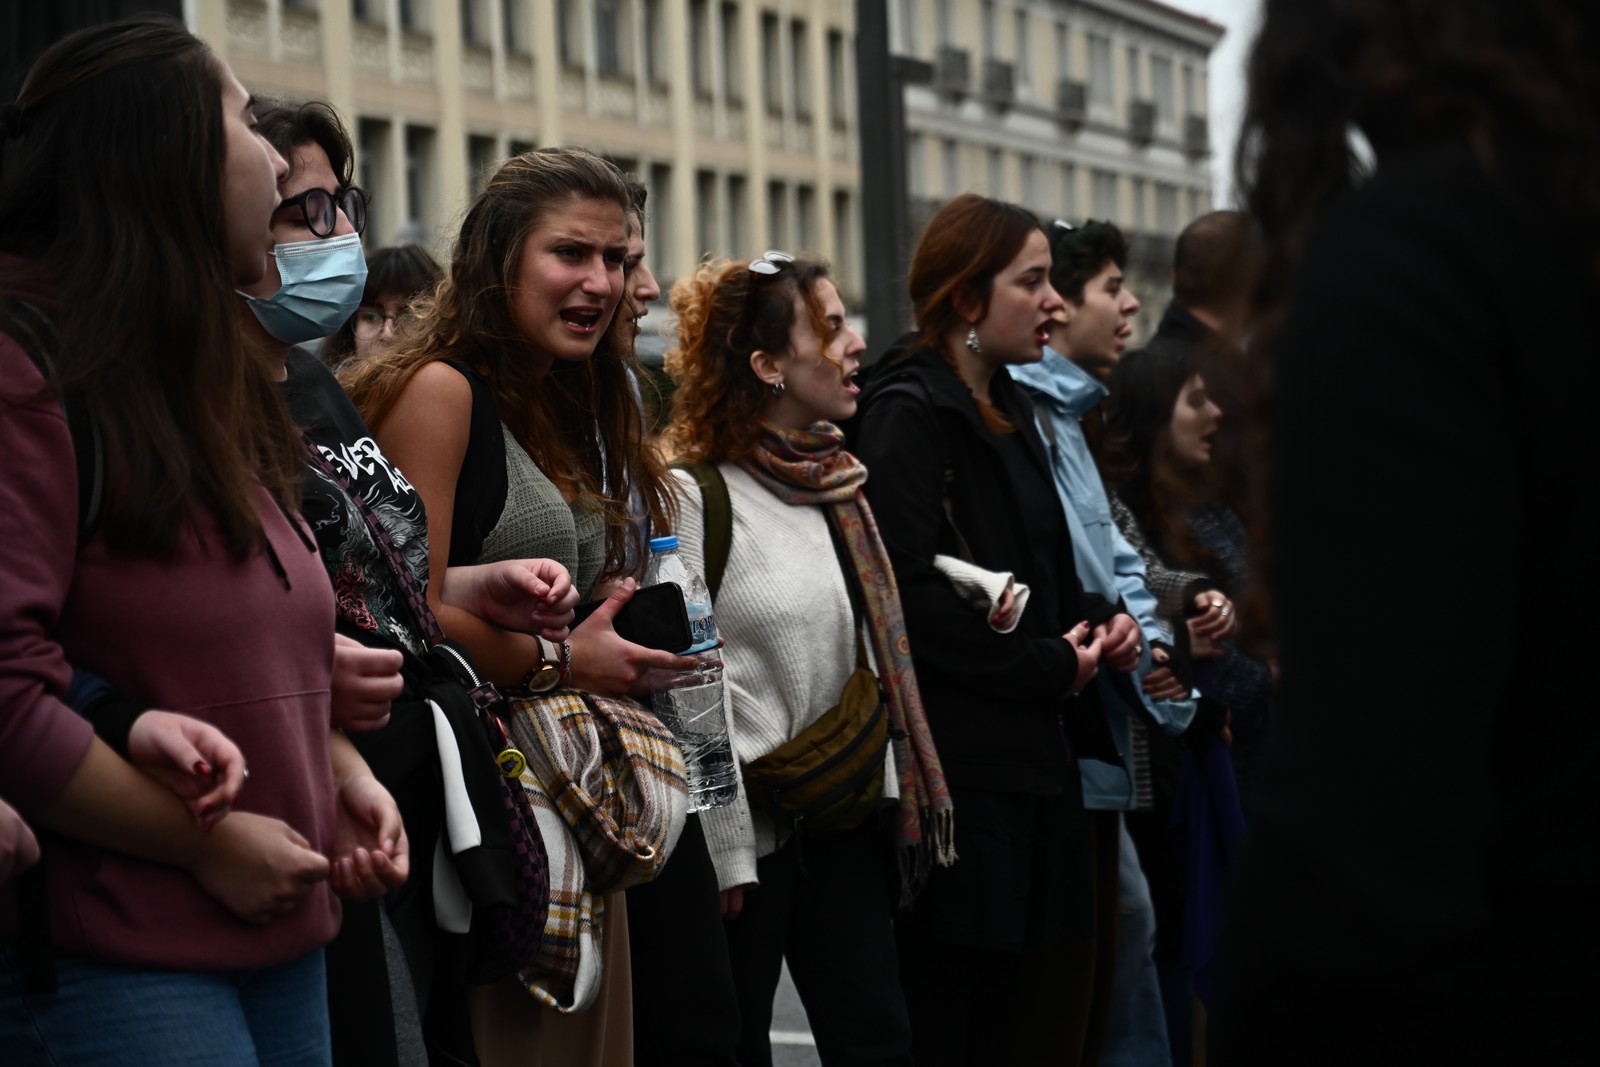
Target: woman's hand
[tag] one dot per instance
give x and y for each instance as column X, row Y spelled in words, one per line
column 257, row 867
column 192, row 758
column 1005, row 615
column 1217, row 619
column 1088, row 656
column 1161, row 683
column 1122, row 642
column 365, row 683
column 533, row 596
column 733, row 902
column 604, row 663
column 370, row 852
column 19, row 849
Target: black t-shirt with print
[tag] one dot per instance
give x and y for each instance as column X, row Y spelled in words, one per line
column 369, row 598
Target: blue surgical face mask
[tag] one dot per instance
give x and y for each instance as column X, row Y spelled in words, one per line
column 322, row 281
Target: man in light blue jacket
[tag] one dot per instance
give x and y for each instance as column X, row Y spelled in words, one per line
column 1065, row 388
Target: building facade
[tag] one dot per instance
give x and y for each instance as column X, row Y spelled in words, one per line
column 740, row 115
column 737, row 114
column 1075, row 108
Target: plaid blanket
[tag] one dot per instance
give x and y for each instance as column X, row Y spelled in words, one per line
column 607, row 785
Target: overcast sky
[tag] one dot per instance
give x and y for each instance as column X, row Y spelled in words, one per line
column 1227, row 80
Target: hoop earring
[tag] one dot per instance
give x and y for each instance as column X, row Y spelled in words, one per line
column 777, row 388
column 972, row 341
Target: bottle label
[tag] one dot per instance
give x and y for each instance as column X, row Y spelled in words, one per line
column 702, row 632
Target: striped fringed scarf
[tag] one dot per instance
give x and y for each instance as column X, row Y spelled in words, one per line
column 811, row 467
column 607, row 784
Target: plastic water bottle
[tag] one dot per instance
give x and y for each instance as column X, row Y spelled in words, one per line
column 689, row 703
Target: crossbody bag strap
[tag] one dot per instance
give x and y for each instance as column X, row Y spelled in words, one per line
column 416, row 599
column 852, row 585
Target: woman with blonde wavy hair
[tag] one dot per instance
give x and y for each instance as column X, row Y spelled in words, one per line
column 764, row 366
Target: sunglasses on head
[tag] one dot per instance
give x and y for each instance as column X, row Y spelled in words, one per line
column 770, row 262
column 321, row 208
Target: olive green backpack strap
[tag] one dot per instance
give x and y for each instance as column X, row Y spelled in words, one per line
column 718, row 512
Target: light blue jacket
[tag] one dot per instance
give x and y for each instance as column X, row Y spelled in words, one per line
column 1062, row 395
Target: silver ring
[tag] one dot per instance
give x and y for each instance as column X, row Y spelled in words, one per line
column 246, row 773
column 1225, row 612
column 1217, row 602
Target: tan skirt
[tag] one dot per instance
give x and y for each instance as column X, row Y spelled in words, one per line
column 511, row 1029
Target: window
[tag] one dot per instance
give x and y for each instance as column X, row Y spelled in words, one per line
column 1190, row 104
column 373, row 161
column 367, row 10
column 482, row 158
column 567, row 44
column 805, row 237
column 947, row 22
column 652, row 30
column 1104, row 192
column 658, row 235
column 777, row 215
column 413, row 16
column 705, row 203
column 738, row 213
column 838, row 80
column 997, row 175
column 513, row 28
column 917, row 166
column 1024, row 52
column 952, row 168
column 613, row 42
column 844, row 259
column 990, row 29
column 1068, row 197
column 419, row 183
column 1161, row 89
column 800, row 66
column 771, row 63
column 700, row 45
column 1030, row 188
column 1167, row 209
column 1101, row 89
column 1063, row 51
column 474, row 23
column 907, row 16
column 732, row 82
column 1133, row 74
column 1140, row 224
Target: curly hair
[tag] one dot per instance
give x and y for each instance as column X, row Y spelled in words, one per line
column 725, row 311
column 581, row 422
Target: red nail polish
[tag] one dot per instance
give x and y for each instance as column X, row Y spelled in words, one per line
column 202, row 767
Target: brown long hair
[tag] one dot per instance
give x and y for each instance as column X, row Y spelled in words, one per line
column 111, row 188
column 967, row 242
column 580, row 422
column 725, row 312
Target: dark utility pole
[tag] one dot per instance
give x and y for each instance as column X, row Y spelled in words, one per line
column 881, row 78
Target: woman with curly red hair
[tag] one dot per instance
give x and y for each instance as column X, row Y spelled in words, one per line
column 764, row 367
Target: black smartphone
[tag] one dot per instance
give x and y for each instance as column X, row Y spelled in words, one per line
column 655, row 618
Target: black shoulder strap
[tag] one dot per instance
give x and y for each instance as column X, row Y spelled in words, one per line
column 37, row 335
column 718, row 512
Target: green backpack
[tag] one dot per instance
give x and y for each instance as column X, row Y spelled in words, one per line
column 829, row 777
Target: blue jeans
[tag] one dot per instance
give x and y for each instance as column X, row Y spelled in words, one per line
column 1136, row 1035
column 109, row 1013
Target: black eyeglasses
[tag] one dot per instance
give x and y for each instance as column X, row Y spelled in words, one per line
column 370, row 321
column 321, row 208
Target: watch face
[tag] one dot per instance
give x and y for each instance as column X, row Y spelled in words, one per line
column 546, row 677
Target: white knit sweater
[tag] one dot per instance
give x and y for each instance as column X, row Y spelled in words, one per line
column 784, row 613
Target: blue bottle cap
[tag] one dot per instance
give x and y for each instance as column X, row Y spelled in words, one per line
column 663, row 544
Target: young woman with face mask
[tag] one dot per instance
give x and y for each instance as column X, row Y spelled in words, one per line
column 998, row 957
column 135, row 195
column 512, row 410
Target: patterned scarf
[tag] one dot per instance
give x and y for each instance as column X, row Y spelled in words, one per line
column 806, row 467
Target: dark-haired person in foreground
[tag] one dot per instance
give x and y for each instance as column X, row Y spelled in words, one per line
column 1420, row 880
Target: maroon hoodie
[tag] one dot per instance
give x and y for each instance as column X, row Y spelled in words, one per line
column 233, row 643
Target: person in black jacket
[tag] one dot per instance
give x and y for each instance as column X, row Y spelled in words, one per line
column 1421, row 882
column 998, row 956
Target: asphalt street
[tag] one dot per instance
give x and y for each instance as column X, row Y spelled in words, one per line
column 792, row 1045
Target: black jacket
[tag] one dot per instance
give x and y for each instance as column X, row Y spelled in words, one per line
column 995, row 701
